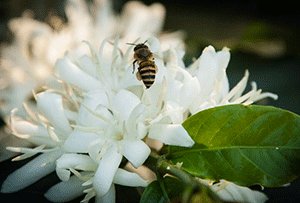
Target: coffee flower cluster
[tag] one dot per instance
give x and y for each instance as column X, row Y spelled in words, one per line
column 27, row 63
column 104, row 115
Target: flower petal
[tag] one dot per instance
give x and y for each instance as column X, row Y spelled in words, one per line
column 124, row 103
column 106, row 170
column 71, row 73
column 123, row 177
column 109, row 197
column 133, row 119
column 67, row 161
column 51, row 106
column 171, row 135
column 88, row 66
column 30, row 173
column 79, row 141
column 36, row 134
column 208, row 70
column 235, row 193
column 189, row 91
column 136, row 151
column 66, row 191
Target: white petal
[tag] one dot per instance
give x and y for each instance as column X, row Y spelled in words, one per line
column 235, row 193
column 174, row 111
column 71, row 73
column 79, row 141
column 123, row 177
column 106, row 170
column 189, row 91
column 96, row 97
column 30, row 173
column 71, row 161
column 66, row 191
column 171, row 135
column 207, row 71
column 134, row 119
column 36, row 134
column 136, row 151
column 109, row 197
column 97, row 101
column 27, row 128
column 124, row 103
column 223, row 58
column 51, row 106
column 88, row 66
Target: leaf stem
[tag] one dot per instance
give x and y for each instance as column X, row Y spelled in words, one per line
column 193, row 187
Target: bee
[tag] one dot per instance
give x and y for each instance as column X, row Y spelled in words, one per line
column 145, row 59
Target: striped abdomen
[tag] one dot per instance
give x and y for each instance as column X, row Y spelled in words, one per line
column 146, row 72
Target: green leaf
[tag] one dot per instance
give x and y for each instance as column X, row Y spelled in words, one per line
column 246, row 145
column 154, row 192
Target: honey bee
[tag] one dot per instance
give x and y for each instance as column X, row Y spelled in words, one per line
column 145, row 59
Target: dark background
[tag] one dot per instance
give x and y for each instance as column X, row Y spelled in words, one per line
column 220, row 23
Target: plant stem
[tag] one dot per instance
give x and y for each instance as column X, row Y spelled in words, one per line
column 192, row 186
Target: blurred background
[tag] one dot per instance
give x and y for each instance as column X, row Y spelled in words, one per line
column 263, row 38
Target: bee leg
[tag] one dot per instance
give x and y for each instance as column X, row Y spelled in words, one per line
column 138, row 76
column 133, row 64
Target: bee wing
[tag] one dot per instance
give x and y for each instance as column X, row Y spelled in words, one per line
column 157, row 56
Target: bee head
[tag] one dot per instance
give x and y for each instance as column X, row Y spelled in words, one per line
column 140, row 46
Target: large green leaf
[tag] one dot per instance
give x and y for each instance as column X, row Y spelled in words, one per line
column 244, row 144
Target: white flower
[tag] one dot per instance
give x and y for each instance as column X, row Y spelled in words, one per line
column 210, row 70
column 47, row 130
column 95, row 115
column 104, row 115
column 82, row 181
column 28, row 63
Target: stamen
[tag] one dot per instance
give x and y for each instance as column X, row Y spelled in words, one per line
column 76, row 173
column 255, row 95
column 237, row 91
column 164, row 114
column 34, row 95
column 88, row 182
column 115, row 50
column 163, row 92
column 113, row 64
column 90, row 194
column 30, row 112
column 27, row 151
column 124, row 128
column 222, row 186
column 112, row 108
column 146, row 96
column 53, row 136
column 244, row 97
column 97, row 60
column 173, row 57
column 103, row 151
column 96, row 114
column 125, row 58
column 267, row 94
column 87, row 129
column 51, row 159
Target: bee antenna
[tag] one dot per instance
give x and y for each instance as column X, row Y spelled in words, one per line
column 130, row 43
column 145, row 42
